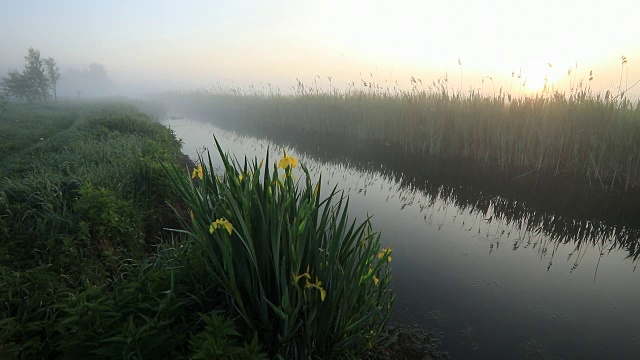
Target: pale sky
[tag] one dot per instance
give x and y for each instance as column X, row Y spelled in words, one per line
column 189, row 44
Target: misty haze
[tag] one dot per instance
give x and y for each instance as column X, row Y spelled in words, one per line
column 319, row 180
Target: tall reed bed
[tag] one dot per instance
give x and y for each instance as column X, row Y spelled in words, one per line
column 595, row 137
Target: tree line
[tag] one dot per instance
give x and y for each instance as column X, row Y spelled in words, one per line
column 37, row 81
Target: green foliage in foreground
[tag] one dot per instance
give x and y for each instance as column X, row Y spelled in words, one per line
column 296, row 271
column 593, row 137
column 85, row 268
column 157, row 308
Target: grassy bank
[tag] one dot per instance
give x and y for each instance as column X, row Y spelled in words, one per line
column 264, row 268
column 107, row 155
column 86, row 269
column 593, row 139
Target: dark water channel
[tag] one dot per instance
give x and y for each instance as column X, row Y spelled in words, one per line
column 500, row 281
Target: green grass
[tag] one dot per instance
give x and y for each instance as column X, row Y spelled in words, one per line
column 23, row 126
column 110, row 158
column 595, row 138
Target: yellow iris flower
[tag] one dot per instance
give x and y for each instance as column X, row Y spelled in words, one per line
column 222, row 222
column 296, row 278
column 317, row 285
column 197, row 172
column 309, row 284
column 287, row 161
column 375, row 280
column 385, row 253
column 323, row 292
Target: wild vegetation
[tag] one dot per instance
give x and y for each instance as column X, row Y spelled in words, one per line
column 88, row 269
column 82, row 200
column 591, row 137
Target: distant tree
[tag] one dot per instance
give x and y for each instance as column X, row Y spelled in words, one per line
column 17, row 85
column 90, row 81
column 35, row 81
column 96, row 74
column 35, row 73
column 53, row 73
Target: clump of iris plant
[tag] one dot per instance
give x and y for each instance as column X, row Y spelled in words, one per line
column 297, row 271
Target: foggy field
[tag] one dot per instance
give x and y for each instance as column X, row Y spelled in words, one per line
column 593, row 138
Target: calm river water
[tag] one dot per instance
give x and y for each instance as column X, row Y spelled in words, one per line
column 495, row 286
